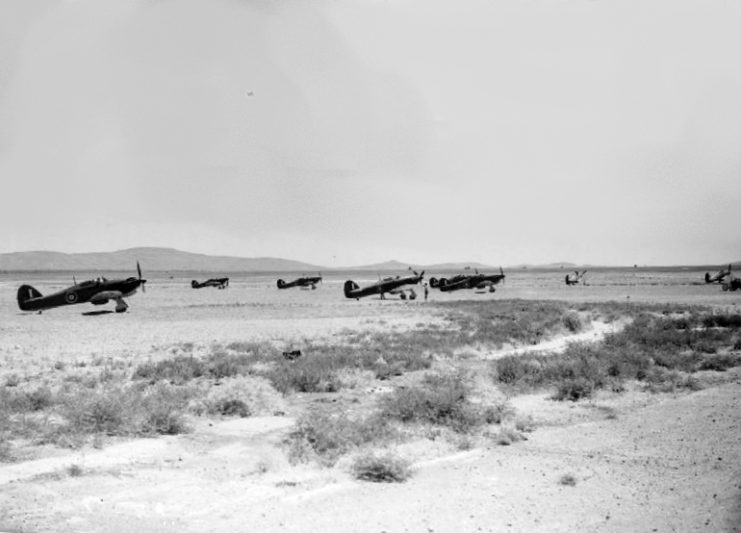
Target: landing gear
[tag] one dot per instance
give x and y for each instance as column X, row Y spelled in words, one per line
column 121, row 306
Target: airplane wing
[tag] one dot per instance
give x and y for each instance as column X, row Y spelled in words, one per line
column 103, row 296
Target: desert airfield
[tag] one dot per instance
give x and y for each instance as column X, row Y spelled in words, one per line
column 640, row 461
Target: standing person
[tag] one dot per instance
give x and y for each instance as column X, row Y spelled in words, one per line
column 426, row 291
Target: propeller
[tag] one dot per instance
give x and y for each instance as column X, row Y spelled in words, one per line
column 141, row 281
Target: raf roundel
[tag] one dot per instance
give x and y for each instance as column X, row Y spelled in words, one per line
column 71, row 297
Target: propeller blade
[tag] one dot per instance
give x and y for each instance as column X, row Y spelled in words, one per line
column 142, row 282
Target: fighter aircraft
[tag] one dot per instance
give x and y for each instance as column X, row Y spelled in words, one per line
column 98, row 292
column 219, row 283
column 469, row 281
column 732, row 283
column 573, row 279
column 308, row 281
column 719, row 277
column 435, row 283
column 391, row 285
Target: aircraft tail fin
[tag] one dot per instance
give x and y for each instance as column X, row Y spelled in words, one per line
column 433, row 283
column 25, row 293
column 195, row 284
column 707, row 277
column 281, row 283
column 349, row 287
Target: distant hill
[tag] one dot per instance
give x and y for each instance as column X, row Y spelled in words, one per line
column 550, row 266
column 164, row 259
column 398, row 265
column 386, row 265
column 462, row 266
column 151, row 259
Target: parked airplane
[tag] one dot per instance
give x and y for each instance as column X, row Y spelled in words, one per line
column 309, row 281
column 732, row 283
column 469, row 281
column 435, row 283
column 219, row 283
column 383, row 287
column 575, row 278
column 719, row 277
column 98, row 292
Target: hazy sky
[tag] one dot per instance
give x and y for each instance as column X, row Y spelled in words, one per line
column 342, row 132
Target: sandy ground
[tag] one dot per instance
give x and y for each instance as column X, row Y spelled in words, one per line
column 641, row 462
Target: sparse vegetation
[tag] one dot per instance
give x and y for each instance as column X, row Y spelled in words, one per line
column 441, row 399
column 240, row 396
column 74, row 412
column 327, row 436
column 662, row 351
column 573, row 322
column 381, row 468
column 662, row 347
column 507, row 435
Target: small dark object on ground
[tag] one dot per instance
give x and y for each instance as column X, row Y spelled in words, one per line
column 568, row 479
column 295, row 354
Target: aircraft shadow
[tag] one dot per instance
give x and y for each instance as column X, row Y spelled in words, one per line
column 98, row 313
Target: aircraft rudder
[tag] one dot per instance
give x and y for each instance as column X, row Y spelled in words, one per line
column 349, row 287
column 25, row 293
column 281, row 283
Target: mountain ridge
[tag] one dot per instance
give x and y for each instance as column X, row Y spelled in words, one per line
column 171, row 259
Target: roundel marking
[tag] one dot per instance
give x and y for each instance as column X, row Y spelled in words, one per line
column 71, row 297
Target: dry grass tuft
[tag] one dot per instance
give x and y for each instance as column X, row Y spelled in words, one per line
column 381, row 468
column 241, row 396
